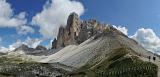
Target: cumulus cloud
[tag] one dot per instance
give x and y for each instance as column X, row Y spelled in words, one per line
column 15, row 45
column 25, row 29
column 8, row 19
column 145, row 37
column 54, row 15
column 33, row 43
column 148, row 39
column 122, row 29
column 3, row 49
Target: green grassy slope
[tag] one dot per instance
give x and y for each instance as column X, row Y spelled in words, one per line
column 119, row 63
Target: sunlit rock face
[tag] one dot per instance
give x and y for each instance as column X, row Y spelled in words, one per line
column 77, row 31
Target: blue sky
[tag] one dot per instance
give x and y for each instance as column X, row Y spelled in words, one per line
column 31, row 7
column 132, row 14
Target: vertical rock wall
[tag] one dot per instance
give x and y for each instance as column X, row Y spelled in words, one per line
column 77, row 31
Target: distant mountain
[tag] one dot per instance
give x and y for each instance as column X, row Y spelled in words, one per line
column 84, row 49
column 38, row 51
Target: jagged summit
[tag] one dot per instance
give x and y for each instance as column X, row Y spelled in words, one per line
column 24, row 49
column 77, row 31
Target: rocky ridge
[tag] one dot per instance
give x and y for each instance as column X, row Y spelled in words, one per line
column 24, row 49
column 77, row 31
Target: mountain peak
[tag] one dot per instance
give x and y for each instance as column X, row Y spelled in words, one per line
column 22, row 47
column 77, row 31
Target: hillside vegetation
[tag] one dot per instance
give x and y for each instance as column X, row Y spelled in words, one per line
column 118, row 64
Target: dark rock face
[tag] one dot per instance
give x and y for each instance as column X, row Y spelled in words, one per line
column 54, row 43
column 39, row 50
column 40, row 47
column 23, row 47
column 26, row 48
column 77, row 31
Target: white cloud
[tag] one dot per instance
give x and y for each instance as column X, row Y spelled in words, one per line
column 122, row 29
column 3, row 49
column 148, row 39
column 0, row 39
column 8, row 19
column 25, row 29
column 15, row 45
column 33, row 43
column 6, row 10
column 54, row 15
column 145, row 37
column 49, row 44
column 21, row 15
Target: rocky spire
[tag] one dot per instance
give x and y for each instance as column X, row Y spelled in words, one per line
column 67, row 35
column 77, row 31
column 73, row 25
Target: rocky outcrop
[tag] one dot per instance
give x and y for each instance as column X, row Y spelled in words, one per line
column 77, row 31
column 24, row 47
column 54, row 43
column 40, row 47
column 67, row 35
column 39, row 50
column 90, row 28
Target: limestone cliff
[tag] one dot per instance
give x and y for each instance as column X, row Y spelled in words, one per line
column 77, row 31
